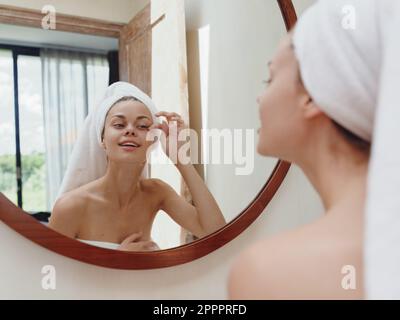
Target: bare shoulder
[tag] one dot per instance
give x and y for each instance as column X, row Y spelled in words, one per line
column 68, row 212
column 306, row 263
column 71, row 200
column 153, row 184
column 157, row 187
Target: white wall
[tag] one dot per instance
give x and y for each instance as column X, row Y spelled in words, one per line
column 238, row 58
column 21, row 261
column 301, row 5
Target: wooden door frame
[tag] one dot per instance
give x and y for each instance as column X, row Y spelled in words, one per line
column 27, row 226
column 64, row 22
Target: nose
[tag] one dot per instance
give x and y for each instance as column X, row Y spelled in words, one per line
column 130, row 131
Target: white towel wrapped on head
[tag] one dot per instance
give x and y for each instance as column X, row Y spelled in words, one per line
column 339, row 65
column 88, row 161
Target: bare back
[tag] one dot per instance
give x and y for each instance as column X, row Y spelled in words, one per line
column 311, row 262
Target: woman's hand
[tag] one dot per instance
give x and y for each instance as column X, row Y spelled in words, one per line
column 171, row 128
column 133, row 243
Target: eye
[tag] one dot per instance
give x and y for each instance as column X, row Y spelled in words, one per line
column 267, row 82
column 118, row 125
column 143, row 127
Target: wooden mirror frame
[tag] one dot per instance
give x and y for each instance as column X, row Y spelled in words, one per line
column 30, row 228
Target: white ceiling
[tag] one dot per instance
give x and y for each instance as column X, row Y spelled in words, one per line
column 10, row 34
column 110, row 10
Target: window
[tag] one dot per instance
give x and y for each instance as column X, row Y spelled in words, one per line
column 27, row 126
column 32, row 139
column 8, row 175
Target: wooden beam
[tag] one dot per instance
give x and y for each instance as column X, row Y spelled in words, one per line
column 69, row 23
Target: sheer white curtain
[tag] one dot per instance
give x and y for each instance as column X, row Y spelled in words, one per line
column 72, row 84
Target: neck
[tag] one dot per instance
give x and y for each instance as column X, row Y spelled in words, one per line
column 121, row 182
column 339, row 177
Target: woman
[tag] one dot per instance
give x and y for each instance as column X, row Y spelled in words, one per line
column 318, row 112
column 119, row 207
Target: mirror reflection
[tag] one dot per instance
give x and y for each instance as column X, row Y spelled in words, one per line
column 89, row 124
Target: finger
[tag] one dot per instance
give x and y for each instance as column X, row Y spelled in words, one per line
column 176, row 115
column 133, row 238
column 150, row 245
column 155, row 126
column 175, row 118
column 165, row 127
column 140, row 246
column 158, row 126
column 167, row 114
column 175, row 123
column 162, row 114
column 178, row 120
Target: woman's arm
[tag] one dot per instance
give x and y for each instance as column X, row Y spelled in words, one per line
column 204, row 217
column 210, row 215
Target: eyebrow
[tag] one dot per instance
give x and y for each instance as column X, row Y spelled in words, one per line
column 121, row 116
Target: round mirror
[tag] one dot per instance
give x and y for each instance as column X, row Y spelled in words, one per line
column 200, row 59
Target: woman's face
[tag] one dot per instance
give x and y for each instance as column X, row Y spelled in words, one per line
column 126, row 127
column 280, row 106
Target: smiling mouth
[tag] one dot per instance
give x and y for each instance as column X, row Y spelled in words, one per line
column 129, row 146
